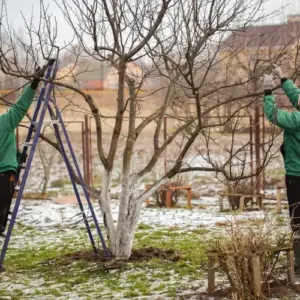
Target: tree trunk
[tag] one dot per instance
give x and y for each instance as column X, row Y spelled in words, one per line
column 129, row 211
column 45, row 186
column 46, row 179
column 105, row 205
column 228, row 125
column 123, row 244
column 125, row 232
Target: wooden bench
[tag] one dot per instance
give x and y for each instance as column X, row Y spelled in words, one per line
column 257, row 197
column 213, row 260
column 169, row 190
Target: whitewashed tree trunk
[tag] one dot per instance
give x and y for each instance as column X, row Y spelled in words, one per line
column 129, row 212
column 105, row 204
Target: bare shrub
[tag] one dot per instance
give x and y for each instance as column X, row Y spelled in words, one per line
column 235, row 252
column 243, row 187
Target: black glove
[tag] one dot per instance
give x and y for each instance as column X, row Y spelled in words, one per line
column 40, row 72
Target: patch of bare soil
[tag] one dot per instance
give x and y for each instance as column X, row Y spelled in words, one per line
column 278, row 290
column 218, row 295
column 145, row 254
column 138, row 255
column 283, row 290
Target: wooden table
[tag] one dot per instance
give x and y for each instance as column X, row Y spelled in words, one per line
column 257, row 197
column 169, row 190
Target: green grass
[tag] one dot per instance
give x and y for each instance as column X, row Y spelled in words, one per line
column 276, row 174
column 144, row 227
column 47, row 261
column 60, row 183
column 200, row 231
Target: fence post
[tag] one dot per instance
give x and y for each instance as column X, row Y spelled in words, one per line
column 83, row 137
column 242, row 203
column 251, row 150
column 189, row 198
column 90, row 148
column 257, row 147
column 221, row 203
column 278, row 198
column 256, row 275
column 87, row 133
column 165, row 139
column 211, row 273
column 263, row 151
column 290, row 266
column 168, row 198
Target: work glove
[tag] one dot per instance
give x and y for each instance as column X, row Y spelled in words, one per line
column 277, row 71
column 268, row 82
column 39, row 73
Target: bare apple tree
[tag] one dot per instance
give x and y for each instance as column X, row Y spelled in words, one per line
column 178, row 43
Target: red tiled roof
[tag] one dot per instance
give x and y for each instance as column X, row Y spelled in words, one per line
column 264, row 36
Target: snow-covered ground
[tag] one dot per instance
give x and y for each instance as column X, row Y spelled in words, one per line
column 44, row 225
column 47, row 213
column 57, row 227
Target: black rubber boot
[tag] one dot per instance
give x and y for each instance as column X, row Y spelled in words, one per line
column 296, row 246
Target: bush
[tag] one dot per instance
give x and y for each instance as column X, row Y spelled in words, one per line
column 243, row 187
column 235, row 253
column 58, row 183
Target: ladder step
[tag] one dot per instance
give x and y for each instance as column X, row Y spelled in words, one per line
column 34, row 123
column 27, row 144
column 54, row 122
column 51, row 122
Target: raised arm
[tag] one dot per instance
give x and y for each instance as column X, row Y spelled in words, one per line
column 292, row 91
column 288, row 86
column 16, row 113
column 289, row 121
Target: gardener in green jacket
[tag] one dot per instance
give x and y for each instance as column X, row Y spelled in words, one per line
column 9, row 121
column 290, row 123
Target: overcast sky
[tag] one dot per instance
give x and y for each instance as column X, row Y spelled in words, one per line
column 27, row 6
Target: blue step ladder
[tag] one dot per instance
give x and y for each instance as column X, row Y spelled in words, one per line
column 46, row 103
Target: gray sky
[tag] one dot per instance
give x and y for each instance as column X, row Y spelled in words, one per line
column 27, row 6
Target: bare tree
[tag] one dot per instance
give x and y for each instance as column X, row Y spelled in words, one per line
column 178, row 42
column 47, row 163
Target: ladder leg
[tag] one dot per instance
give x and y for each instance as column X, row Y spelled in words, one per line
column 82, row 182
column 25, row 176
column 34, row 118
column 69, row 168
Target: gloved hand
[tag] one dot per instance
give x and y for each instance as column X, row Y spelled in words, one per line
column 39, row 73
column 277, row 71
column 268, row 82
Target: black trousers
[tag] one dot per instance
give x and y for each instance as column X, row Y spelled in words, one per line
column 293, row 195
column 6, row 194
